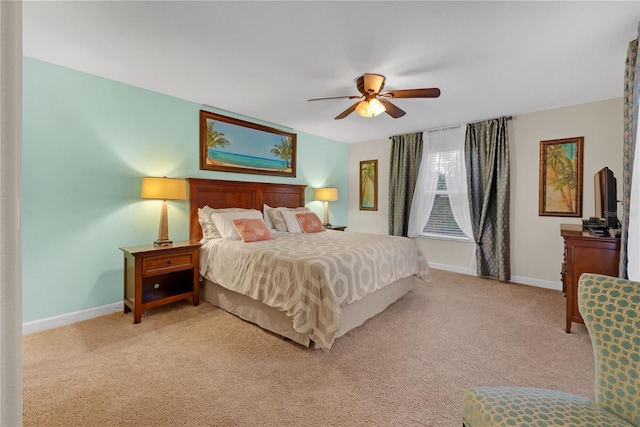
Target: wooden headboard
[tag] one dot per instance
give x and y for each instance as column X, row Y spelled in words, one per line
column 218, row 194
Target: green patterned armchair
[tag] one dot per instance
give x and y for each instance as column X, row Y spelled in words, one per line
column 610, row 308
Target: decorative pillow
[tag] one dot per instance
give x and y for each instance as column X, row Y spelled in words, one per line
column 209, row 230
column 278, row 221
column 224, row 222
column 267, row 212
column 290, row 220
column 309, row 222
column 252, row 230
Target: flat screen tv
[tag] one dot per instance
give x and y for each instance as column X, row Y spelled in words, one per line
column 605, row 188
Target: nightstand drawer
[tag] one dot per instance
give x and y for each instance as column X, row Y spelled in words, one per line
column 165, row 264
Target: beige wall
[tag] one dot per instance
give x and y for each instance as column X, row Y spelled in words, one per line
column 536, row 245
column 369, row 221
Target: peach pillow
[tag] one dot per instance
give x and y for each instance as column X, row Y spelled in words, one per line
column 224, row 222
column 252, row 229
column 309, row 222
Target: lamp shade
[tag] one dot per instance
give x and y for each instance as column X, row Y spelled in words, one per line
column 163, row 188
column 326, row 194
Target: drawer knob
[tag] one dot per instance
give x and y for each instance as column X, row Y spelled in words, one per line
column 169, row 262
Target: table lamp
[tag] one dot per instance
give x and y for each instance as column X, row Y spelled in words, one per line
column 326, row 195
column 163, row 189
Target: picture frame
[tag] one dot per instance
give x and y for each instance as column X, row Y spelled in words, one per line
column 560, row 189
column 369, row 185
column 228, row 144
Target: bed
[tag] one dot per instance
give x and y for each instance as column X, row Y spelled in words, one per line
column 318, row 285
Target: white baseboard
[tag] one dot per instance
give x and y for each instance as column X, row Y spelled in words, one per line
column 452, row 268
column 69, row 318
column 90, row 313
column 547, row 284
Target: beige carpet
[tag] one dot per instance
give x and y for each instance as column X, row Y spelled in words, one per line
column 200, row 366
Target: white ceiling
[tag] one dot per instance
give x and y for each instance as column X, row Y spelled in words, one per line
column 265, row 59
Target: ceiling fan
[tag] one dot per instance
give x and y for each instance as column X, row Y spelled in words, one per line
column 375, row 102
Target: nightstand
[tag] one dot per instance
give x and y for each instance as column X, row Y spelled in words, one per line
column 337, row 227
column 156, row 276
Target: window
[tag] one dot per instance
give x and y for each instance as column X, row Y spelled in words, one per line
column 440, row 207
column 441, row 221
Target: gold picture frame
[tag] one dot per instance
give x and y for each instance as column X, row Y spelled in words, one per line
column 228, row 144
column 369, row 185
column 560, row 189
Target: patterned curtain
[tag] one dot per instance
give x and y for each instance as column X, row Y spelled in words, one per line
column 406, row 154
column 487, row 160
column 630, row 117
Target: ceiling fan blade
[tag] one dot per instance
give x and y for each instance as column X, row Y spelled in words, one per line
column 433, row 92
column 391, row 109
column 336, row 97
column 373, row 83
column 348, row 111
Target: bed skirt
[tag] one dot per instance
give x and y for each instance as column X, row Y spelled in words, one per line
column 353, row 315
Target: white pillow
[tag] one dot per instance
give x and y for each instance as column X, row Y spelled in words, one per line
column 293, row 226
column 209, row 230
column 224, row 222
column 206, row 223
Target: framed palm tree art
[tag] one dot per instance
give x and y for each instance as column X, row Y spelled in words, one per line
column 228, row 144
column 369, row 185
column 560, row 191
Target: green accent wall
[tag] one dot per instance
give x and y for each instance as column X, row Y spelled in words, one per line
column 87, row 143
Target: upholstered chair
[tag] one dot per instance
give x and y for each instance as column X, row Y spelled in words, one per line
column 610, row 308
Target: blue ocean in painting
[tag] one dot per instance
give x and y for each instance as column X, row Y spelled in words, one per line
column 246, row 161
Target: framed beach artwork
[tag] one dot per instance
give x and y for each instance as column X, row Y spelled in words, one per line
column 369, row 185
column 234, row 145
column 560, row 191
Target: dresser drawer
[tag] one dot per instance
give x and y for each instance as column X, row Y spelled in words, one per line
column 164, row 264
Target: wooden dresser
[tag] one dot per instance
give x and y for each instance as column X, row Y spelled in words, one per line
column 585, row 252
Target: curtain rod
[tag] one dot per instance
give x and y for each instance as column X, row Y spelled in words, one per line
column 485, row 120
column 455, row 126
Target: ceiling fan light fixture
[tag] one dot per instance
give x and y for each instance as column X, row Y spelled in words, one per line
column 370, row 107
column 363, row 109
column 376, row 102
column 376, row 106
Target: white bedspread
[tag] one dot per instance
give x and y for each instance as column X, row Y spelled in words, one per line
column 309, row 276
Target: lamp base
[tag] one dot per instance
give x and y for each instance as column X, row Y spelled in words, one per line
column 326, row 224
column 163, row 230
column 164, row 242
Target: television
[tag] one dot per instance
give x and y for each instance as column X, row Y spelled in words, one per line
column 605, row 194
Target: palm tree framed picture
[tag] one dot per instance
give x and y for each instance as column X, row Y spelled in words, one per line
column 561, row 177
column 228, row 144
column 369, row 185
